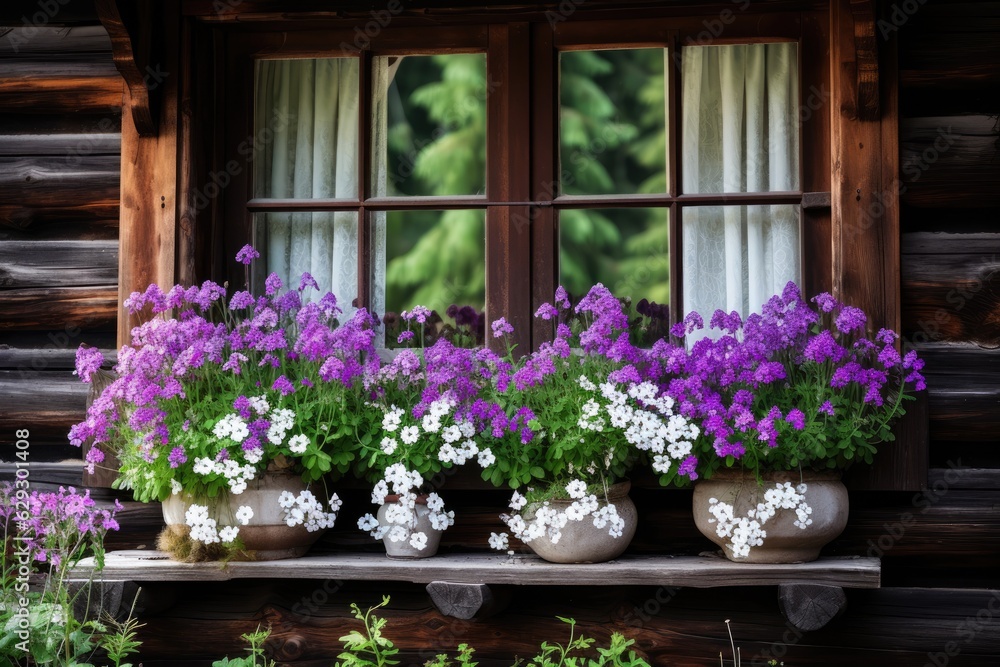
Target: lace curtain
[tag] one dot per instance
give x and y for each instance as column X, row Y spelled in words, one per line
column 740, row 134
column 311, row 110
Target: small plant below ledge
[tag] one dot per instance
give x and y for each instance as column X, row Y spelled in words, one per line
column 255, row 640
column 370, row 648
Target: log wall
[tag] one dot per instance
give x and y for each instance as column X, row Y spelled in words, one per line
column 60, row 165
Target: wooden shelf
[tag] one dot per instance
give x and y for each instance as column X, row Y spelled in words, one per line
column 525, row 570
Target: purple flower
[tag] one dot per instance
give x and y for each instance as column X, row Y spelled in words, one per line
column 419, row 313
column 562, row 299
column 547, row 311
column 850, row 319
column 88, row 362
column 284, row 385
column 796, row 418
column 306, row 280
column 730, row 323
column 822, row 347
column 405, row 337
column 242, row 406
column 690, row 323
column 272, row 284
column 246, row 255
column 825, row 302
column 826, row 408
column 501, row 328
column 242, row 299
column 177, row 457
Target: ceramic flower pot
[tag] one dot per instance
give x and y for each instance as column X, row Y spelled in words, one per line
column 390, row 515
column 582, row 541
column 267, row 535
column 785, row 542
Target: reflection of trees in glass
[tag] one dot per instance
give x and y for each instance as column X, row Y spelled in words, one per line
column 613, row 141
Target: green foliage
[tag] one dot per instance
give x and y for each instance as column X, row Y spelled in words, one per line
column 367, row 648
column 255, row 648
column 613, row 140
column 121, row 642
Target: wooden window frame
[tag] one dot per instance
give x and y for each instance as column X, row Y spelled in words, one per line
column 522, row 242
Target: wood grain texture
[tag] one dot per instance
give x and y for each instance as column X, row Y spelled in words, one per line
column 147, row 235
column 62, row 94
column 87, row 308
column 64, row 182
column 85, row 42
column 26, row 264
column 129, row 26
column 689, row 571
column 47, row 404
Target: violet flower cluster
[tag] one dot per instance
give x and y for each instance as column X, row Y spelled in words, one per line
column 793, row 386
column 55, row 528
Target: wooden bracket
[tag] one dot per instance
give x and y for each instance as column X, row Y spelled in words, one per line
column 809, row 607
column 866, row 58
column 129, row 25
column 466, row 601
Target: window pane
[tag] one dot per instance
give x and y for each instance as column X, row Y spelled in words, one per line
column 740, row 129
column 305, row 143
column 434, row 259
column 612, row 122
column 429, row 126
column 323, row 244
column 737, row 257
column 625, row 249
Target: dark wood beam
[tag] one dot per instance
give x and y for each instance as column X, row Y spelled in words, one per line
column 130, row 27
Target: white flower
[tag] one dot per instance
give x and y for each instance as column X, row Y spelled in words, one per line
column 298, row 443
column 434, row 502
column 486, row 458
column 228, row 534
column 451, row 434
column 175, row 487
column 203, row 466
column 576, row 489
column 368, row 523
column 499, row 541
column 517, row 501
column 418, row 541
column 254, row 455
column 259, row 404
column 244, row 514
column 392, row 419
column 409, row 435
column 747, row 532
column 389, row 445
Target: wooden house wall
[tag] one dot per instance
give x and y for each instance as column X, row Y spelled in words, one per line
column 940, row 548
column 60, row 157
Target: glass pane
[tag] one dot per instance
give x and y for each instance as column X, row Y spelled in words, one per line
column 305, row 143
column 626, row 250
column 739, row 118
column 435, row 259
column 429, row 125
column 737, row 257
column 322, row 244
column 612, row 122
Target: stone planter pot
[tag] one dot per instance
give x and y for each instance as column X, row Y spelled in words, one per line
column 403, row 548
column 785, row 542
column 581, row 541
column 267, row 535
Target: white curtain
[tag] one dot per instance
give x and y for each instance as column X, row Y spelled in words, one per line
column 307, row 119
column 740, row 134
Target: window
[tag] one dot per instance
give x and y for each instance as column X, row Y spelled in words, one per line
column 484, row 165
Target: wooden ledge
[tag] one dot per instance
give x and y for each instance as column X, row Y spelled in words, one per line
column 524, row 570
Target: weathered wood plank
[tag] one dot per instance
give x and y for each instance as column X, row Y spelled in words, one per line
column 37, row 182
column 75, row 145
column 952, row 291
column 45, row 358
column 26, row 264
column 969, row 60
column 49, row 229
column 63, row 473
column 87, row 308
column 21, row 69
column 950, row 161
column 972, row 478
column 65, row 94
column 688, row 571
column 54, row 41
column 47, row 404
